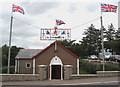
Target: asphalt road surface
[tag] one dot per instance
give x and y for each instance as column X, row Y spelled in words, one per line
column 89, row 82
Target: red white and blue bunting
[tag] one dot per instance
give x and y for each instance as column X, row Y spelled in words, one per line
column 55, row 34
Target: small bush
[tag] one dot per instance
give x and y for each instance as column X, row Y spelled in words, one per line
column 111, row 67
column 12, row 69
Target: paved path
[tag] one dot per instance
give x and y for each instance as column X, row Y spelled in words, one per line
column 66, row 83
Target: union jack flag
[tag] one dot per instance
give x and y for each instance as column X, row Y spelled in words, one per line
column 108, row 8
column 16, row 8
column 59, row 22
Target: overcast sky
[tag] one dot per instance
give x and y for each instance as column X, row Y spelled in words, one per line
column 43, row 15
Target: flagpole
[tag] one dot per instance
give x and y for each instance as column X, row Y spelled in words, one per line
column 8, row 70
column 55, row 29
column 13, row 10
column 102, row 41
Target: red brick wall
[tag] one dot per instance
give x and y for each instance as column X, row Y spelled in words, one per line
column 45, row 58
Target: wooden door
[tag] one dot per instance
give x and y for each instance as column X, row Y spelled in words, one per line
column 56, row 72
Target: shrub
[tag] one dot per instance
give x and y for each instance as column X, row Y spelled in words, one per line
column 111, row 67
column 92, row 68
column 12, row 69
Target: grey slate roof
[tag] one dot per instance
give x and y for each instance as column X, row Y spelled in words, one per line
column 27, row 53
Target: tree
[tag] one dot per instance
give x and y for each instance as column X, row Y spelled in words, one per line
column 110, row 33
column 67, row 44
column 92, row 41
column 76, row 48
column 110, row 36
column 4, row 55
column 114, row 45
column 14, row 51
column 117, row 35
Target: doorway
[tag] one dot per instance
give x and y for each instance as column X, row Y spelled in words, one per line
column 56, row 71
column 56, row 68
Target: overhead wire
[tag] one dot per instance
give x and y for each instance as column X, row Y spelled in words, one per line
column 40, row 28
column 71, row 28
column 26, row 23
column 85, row 23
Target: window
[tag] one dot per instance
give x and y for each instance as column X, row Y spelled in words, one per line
column 28, row 65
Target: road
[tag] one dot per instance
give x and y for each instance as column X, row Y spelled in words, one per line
column 89, row 82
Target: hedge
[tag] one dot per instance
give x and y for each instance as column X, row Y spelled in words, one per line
column 92, row 68
column 12, row 69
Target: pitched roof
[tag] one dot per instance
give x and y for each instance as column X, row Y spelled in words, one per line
column 33, row 53
column 59, row 45
column 27, row 53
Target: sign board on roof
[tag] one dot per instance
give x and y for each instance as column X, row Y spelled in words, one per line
column 55, row 34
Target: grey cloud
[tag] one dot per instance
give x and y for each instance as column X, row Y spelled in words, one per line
column 30, row 43
column 92, row 7
column 5, row 27
column 19, row 30
column 23, row 34
column 72, row 8
column 5, row 17
column 35, row 8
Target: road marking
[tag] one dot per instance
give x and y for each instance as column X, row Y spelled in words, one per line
column 88, row 83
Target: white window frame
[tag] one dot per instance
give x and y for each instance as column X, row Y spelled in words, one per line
column 28, row 63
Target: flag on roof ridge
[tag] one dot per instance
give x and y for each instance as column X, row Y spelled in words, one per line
column 59, row 22
column 108, row 8
column 16, row 8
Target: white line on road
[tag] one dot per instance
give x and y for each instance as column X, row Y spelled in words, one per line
column 90, row 83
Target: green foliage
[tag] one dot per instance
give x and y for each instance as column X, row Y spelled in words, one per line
column 12, row 70
column 113, row 39
column 117, row 34
column 111, row 67
column 92, row 68
column 92, row 41
column 14, row 51
column 90, row 44
column 4, row 55
column 83, row 71
column 110, row 33
column 76, row 48
column 88, row 67
column 114, row 45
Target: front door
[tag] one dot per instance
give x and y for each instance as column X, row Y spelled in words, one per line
column 56, row 72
